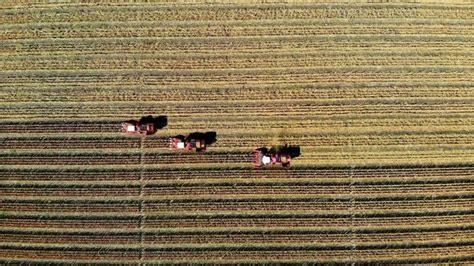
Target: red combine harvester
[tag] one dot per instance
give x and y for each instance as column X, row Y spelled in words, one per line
column 262, row 157
column 187, row 144
column 134, row 127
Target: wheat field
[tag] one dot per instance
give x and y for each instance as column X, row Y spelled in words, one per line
column 379, row 97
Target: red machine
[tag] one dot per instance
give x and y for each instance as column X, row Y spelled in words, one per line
column 262, row 157
column 187, row 144
column 134, row 127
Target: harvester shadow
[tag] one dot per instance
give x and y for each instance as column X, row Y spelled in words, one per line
column 159, row 121
column 293, row 151
column 209, row 137
column 264, row 150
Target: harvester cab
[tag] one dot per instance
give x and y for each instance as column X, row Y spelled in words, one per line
column 263, row 157
column 133, row 127
column 187, row 144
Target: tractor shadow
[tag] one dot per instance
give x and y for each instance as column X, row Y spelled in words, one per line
column 159, row 121
column 209, row 137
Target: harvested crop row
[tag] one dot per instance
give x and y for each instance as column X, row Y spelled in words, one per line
column 331, row 140
column 221, row 13
column 370, row 157
column 84, row 207
column 393, row 155
column 237, row 76
column 296, row 92
column 64, row 238
column 384, row 255
column 256, row 45
column 386, row 158
column 328, row 173
column 329, row 238
column 237, row 109
column 276, row 189
column 322, row 221
column 282, row 237
column 418, row 255
column 403, row 219
column 367, row 123
column 386, row 172
column 228, row 61
column 278, row 54
column 132, row 158
column 129, row 191
column 227, row 30
column 69, row 159
column 427, row 220
column 40, row 222
column 60, row 126
column 224, row 141
column 184, row 158
column 237, row 189
column 75, row 255
column 429, row 252
column 68, row 174
column 250, row 23
column 221, row 205
column 308, row 205
column 73, row 143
